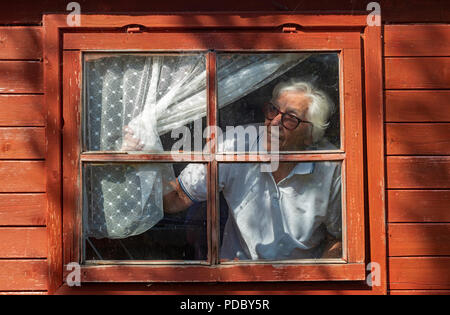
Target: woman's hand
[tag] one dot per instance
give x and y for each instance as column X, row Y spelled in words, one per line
column 130, row 142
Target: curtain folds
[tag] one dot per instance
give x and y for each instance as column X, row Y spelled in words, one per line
column 152, row 95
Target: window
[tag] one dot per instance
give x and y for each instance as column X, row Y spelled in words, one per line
column 129, row 99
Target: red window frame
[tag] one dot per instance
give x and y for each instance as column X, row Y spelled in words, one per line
column 106, row 33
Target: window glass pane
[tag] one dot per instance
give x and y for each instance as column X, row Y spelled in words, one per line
column 294, row 212
column 124, row 217
column 134, row 102
column 297, row 92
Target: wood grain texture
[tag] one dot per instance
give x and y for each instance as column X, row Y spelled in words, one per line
column 21, row 77
column 30, row 242
column 418, row 138
column 22, row 176
column 417, row 73
column 419, row 206
column 224, row 273
column 23, row 292
column 53, row 172
column 22, row 143
column 419, row 239
column 23, row 209
column 419, row 273
column 269, row 288
column 255, row 40
column 21, row 42
column 374, row 126
column 23, row 274
column 418, row 172
column 21, row 110
column 416, row 40
column 393, row 11
column 417, row 106
column 419, row 292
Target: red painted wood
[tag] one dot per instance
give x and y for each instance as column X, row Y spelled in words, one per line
column 418, row 138
column 21, row 110
column 419, row 206
column 419, row 273
column 254, row 40
column 375, row 166
column 419, row 292
column 230, row 273
column 416, row 40
column 419, row 239
column 22, row 143
column 52, row 87
column 393, row 11
column 353, row 220
column 418, row 172
column 417, row 106
column 71, row 152
column 243, row 288
column 417, row 73
column 20, row 274
column 22, row 176
column 23, row 293
column 23, row 209
column 23, row 242
column 21, row 77
column 21, row 42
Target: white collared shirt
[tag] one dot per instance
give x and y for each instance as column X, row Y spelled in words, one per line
column 288, row 220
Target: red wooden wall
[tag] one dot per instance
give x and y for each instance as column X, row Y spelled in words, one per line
column 417, row 121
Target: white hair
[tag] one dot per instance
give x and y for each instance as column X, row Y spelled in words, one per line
column 320, row 109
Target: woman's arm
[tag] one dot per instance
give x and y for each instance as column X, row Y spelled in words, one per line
column 176, row 200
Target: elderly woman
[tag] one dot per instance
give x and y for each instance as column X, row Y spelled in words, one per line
column 293, row 212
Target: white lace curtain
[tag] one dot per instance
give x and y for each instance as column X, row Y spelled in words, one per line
column 152, row 95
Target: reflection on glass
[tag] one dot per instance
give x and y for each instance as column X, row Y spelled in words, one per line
column 133, row 102
column 124, row 218
column 291, row 213
column 297, row 92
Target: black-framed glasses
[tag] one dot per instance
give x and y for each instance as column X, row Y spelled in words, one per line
column 288, row 121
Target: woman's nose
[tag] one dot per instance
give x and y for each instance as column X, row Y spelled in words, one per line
column 277, row 120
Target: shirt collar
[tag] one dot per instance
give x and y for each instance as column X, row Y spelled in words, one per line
column 303, row 168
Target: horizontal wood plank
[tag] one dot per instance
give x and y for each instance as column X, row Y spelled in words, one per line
column 419, row 239
column 22, row 209
column 21, row 110
column 21, row 42
column 23, row 242
column 393, row 11
column 416, row 40
column 23, row 292
column 417, row 73
column 22, row 176
column 427, row 273
column 418, row 138
column 22, row 143
column 418, row 172
column 21, row 77
column 418, row 206
column 210, row 40
column 29, row 274
column 417, row 106
column 225, row 273
column 419, row 292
